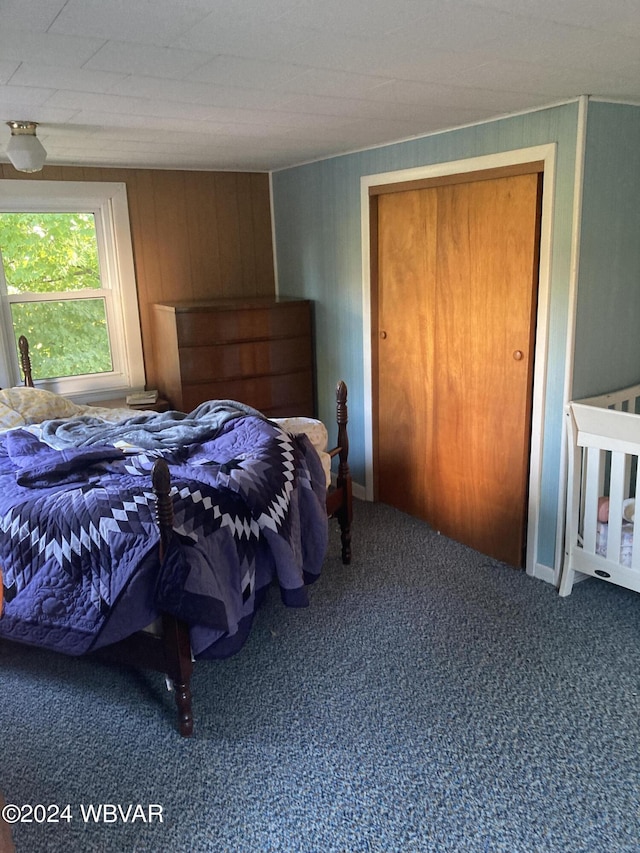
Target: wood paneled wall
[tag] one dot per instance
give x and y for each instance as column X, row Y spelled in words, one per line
column 196, row 235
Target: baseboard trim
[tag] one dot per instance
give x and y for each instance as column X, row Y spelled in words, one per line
column 544, row 573
column 359, row 491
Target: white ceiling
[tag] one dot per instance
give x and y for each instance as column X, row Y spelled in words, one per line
column 263, row 84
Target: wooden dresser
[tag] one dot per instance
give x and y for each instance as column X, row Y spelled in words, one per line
column 255, row 350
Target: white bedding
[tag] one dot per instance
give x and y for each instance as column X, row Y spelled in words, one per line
column 24, row 406
column 626, row 542
column 317, row 434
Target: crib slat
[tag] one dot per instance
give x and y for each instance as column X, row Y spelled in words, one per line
column 635, row 553
column 592, row 490
column 616, row 496
column 635, row 556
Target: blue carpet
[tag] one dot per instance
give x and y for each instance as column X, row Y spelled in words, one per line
column 429, row 699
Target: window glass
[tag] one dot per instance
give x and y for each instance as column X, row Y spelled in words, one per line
column 65, row 338
column 49, row 252
column 67, row 283
column 56, row 253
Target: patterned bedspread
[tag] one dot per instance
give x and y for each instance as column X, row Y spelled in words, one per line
column 78, row 539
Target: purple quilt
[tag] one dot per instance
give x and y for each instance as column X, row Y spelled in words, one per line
column 78, row 539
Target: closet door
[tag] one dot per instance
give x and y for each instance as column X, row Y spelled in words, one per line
column 406, row 309
column 457, row 283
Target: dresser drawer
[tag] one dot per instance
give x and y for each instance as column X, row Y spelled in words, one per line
column 274, row 396
column 252, row 358
column 217, row 327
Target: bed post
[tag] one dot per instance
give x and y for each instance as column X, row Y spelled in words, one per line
column 25, row 361
column 344, row 513
column 177, row 648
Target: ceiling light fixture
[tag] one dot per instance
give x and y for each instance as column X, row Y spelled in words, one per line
column 24, row 149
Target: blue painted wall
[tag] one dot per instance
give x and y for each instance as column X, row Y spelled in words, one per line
column 607, row 338
column 318, row 244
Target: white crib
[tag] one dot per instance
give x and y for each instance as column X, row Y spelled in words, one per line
column 604, row 444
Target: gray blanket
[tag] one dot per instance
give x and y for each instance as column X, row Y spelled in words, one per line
column 151, row 431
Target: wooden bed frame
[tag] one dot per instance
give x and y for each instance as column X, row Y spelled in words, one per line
column 170, row 651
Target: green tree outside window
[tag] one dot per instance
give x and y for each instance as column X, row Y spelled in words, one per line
column 52, row 274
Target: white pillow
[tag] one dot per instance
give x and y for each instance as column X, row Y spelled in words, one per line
column 315, row 430
column 317, row 434
column 22, row 406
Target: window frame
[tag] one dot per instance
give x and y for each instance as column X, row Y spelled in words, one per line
column 107, row 201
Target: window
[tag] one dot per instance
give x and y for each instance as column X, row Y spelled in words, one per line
column 67, row 283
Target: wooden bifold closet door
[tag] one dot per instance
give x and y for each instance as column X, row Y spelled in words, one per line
column 457, row 274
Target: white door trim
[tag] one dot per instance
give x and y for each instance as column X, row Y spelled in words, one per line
column 581, row 143
column 547, row 154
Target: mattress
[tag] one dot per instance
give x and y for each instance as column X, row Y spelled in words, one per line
column 626, row 543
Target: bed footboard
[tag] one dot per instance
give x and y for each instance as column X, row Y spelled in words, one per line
column 177, row 663
column 172, row 653
column 25, row 361
column 340, row 497
column 169, row 651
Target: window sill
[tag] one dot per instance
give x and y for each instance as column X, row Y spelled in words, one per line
column 160, row 405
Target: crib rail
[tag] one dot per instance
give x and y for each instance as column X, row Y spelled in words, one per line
column 604, row 445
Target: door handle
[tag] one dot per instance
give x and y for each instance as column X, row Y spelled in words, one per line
column 518, row 355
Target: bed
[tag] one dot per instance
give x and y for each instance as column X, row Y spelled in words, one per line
column 150, row 538
column 603, row 436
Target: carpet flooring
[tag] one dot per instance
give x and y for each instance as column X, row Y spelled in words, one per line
column 429, row 699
